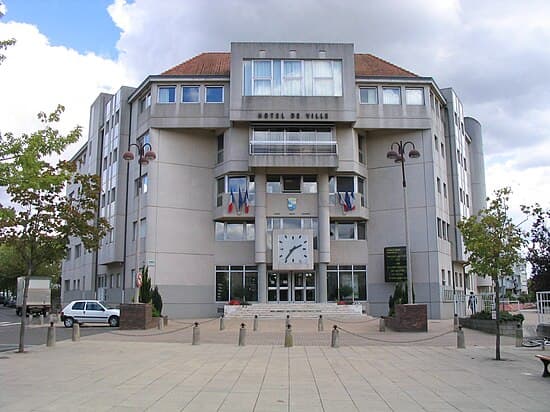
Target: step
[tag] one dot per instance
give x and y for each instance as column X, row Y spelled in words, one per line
column 296, row 310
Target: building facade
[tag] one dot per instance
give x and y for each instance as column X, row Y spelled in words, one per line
column 272, row 184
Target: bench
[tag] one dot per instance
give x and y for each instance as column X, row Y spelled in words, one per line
column 546, row 361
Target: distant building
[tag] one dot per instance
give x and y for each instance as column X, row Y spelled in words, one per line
column 272, row 181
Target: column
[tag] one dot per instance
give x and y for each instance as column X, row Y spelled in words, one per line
column 260, row 231
column 324, row 235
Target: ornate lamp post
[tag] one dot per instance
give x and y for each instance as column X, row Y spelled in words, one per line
column 399, row 157
column 145, row 155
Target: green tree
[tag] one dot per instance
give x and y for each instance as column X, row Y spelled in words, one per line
column 157, row 300
column 538, row 252
column 493, row 243
column 41, row 219
column 145, row 290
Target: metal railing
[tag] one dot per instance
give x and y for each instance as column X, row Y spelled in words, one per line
column 543, row 307
column 277, row 147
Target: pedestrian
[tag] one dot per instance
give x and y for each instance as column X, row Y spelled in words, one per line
column 472, row 303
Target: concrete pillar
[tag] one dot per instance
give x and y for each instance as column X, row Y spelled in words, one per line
column 382, row 325
column 260, row 227
column 242, row 335
column 222, row 322
column 335, row 338
column 76, row 332
column 460, row 341
column 50, row 337
column 289, row 341
column 320, row 326
column 255, row 327
column 196, row 334
column 324, row 235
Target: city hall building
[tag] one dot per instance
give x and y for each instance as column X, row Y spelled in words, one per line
column 271, row 183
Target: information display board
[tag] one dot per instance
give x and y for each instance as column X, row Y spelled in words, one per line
column 395, row 264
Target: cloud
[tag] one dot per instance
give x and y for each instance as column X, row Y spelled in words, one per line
column 37, row 76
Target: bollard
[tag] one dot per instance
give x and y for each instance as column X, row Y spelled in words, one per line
column 519, row 336
column 242, row 335
column 165, row 320
column 196, row 334
column 382, row 325
column 287, row 321
column 320, row 326
column 255, row 326
column 160, row 323
column 542, row 345
column 41, row 319
column 289, row 341
column 222, row 322
column 460, row 342
column 50, row 337
column 334, row 342
column 455, row 322
column 29, row 319
column 76, row 332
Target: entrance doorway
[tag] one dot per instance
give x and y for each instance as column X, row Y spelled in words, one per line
column 291, row 287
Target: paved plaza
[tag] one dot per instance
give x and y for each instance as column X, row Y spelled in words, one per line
column 371, row 371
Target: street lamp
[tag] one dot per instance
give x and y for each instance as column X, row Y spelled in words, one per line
column 145, row 155
column 399, row 157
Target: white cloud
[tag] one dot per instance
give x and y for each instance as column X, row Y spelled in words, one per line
column 37, row 76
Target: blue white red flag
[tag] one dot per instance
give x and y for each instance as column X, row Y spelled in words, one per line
column 231, row 202
column 246, row 204
column 241, row 201
column 350, row 201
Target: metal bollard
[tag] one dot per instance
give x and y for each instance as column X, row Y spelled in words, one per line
column 222, row 322
column 289, row 341
column 255, row 325
column 242, row 335
column 50, row 337
column 287, row 321
column 196, row 334
column 161, row 323
column 382, row 325
column 320, row 326
column 460, row 341
column 455, row 322
column 41, row 319
column 334, row 342
column 519, row 336
column 76, row 332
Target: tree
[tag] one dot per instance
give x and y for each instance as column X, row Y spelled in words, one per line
column 42, row 219
column 145, row 290
column 4, row 44
column 493, row 243
column 538, row 252
column 157, row 300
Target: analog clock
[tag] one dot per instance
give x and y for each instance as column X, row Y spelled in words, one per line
column 292, row 250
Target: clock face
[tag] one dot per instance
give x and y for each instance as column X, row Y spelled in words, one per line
column 293, row 249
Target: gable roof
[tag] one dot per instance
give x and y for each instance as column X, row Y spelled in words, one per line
column 218, row 64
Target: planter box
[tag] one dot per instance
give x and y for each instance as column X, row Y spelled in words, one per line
column 137, row 316
column 507, row 328
column 409, row 318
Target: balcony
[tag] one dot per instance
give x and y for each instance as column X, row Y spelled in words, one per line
column 222, row 212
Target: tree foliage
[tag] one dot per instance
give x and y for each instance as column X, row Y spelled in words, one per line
column 41, row 218
column 538, row 252
column 145, row 290
column 493, row 243
column 157, row 300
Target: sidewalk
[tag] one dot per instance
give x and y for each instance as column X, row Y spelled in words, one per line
column 107, row 372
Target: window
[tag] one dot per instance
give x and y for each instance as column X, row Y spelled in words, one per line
column 361, row 149
column 465, row 167
column 291, row 184
column 94, row 306
column 445, row 190
column 144, row 185
column 134, row 230
column 220, row 191
column 77, row 251
column 361, row 190
column 309, row 184
column 167, row 94
column 340, row 276
column 190, row 94
column 292, row 78
column 113, row 194
column 391, row 95
column 467, row 200
column 214, row 94
column 67, row 285
column 443, row 277
column 292, row 140
column 236, row 231
column 220, row 148
column 236, row 282
column 78, row 305
column 68, row 256
column 118, row 278
column 368, row 95
column 436, row 143
column 232, row 184
column 444, row 229
column 143, row 228
column 339, row 186
column 442, row 150
column 438, row 227
column 415, row 96
column 438, row 185
column 348, row 231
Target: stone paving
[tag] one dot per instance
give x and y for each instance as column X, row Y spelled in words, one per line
column 375, row 371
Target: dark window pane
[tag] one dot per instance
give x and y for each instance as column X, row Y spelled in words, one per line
column 332, row 286
column 78, row 306
column 344, row 184
column 362, row 284
column 291, row 184
column 251, row 285
column 214, row 94
column 361, row 231
column 237, row 290
column 222, row 286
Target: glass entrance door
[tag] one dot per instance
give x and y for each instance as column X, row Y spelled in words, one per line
column 291, row 287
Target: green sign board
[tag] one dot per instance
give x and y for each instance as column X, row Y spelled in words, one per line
column 395, row 264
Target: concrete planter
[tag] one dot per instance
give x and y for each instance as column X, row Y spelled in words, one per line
column 507, row 328
column 137, row 316
column 409, row 318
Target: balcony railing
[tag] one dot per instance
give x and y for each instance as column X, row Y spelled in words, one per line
column 293, row 148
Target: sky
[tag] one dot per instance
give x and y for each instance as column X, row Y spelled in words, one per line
column 494, row 53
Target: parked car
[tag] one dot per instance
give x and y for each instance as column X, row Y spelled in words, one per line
column 89, row 311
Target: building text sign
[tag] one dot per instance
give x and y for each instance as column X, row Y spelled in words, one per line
column 395, row 264
column 293, row 116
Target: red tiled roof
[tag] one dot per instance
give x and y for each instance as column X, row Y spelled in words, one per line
column 218, row 64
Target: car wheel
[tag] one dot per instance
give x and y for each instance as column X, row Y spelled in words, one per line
column 113, row 321
column 68, row 322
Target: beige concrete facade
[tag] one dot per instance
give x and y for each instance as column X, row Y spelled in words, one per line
column 298, row 158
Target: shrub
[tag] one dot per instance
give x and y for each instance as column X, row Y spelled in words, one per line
column 155, row 312
column 504, row 316
column 483, row 315
column 156, row 300
column 346, row 292
column 145, row 288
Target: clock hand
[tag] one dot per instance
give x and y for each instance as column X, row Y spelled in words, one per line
column 290, row 252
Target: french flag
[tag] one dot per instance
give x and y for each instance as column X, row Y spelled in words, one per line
column 230, row 206
column 246, row 204
column 349, row 201
column 241, row 201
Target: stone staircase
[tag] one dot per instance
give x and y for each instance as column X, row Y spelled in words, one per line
column 295, row 310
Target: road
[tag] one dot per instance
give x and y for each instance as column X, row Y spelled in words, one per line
column 35, row 335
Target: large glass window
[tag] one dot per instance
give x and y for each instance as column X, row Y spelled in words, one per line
column 347, row 190
column 167, row 94
column 368, row 95
column 343, row 279
column 292, row 140
column 415, row 96
column 228, row 184
column 392, row 95
column 236, row 282
column 190, row 94
column 348, row 230
column 214, row 94
column 291, row 184
column 236, row 231
column 292, row 78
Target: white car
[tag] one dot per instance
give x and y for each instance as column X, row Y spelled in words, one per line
column 89, row 311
